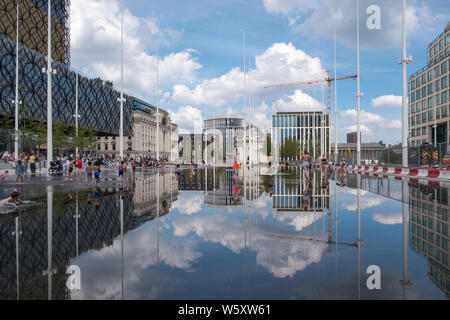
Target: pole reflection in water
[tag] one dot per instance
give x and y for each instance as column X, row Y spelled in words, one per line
column 50, row 271
column 121, row 243
column 359, row 241
column 76, row 217
column 405, row 283
column 17, row 233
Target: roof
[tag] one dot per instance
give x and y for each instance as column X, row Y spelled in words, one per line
column 225, row 116
column 370, row 145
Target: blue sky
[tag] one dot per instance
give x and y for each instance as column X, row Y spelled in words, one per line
column 201, row 55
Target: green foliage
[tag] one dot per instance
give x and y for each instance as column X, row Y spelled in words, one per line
column 290, row 149
column 269, row 145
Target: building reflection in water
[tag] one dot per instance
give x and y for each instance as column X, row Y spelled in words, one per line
column 428, row 231
column 44, row 240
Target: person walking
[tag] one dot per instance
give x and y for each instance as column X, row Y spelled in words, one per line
column 33, row 164
column 306, row 158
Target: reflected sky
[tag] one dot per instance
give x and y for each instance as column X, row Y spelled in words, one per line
column 250, row 236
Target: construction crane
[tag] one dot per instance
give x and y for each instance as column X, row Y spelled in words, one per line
column 329, row 80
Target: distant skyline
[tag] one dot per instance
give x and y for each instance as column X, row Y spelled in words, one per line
column 201, row 55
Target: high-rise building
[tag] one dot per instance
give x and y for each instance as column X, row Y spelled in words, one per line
column 309, row 129
column 429, row 95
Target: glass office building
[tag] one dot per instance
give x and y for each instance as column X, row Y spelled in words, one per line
column 429, row 95
column 310, row 129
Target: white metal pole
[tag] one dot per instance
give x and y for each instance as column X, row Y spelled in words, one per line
column 16, row 101
column 358, row 94
column 121, row 83
column 336, row 149
column 404, row 61
column 49, row 89
column 76, row 113
column 157, row 95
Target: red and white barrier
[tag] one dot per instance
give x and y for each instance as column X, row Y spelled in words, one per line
column 428, row 173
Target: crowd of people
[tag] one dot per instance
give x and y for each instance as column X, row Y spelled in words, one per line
column 72, row 165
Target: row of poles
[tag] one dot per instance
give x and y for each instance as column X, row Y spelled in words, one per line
column 50, row 71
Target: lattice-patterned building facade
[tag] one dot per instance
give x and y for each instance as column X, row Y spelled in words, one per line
column 33, row 25
column 98, row 102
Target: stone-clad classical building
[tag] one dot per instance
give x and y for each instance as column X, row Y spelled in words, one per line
column 143, row 141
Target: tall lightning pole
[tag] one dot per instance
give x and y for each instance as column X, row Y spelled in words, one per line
column 358, row 93
column 121, row 82
column 157, row 95
column 16, row 101
column 405, row 60
column 49, row 72
column 245, row 104
column 336, row 149
column 76, row 115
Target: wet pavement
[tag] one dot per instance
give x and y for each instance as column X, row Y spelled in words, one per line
column 207, row 234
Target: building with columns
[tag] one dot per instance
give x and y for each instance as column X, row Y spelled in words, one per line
column 143, row 142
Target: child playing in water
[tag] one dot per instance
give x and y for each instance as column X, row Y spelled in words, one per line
column 4, row 175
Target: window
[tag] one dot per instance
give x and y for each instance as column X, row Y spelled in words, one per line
column 424, row 131
column 424, row 104
column 418, row 95
column 430, row 102
column 441, row 44
column 438, row 99
column 413, row 85
column 413, row 122
column 444, row 111
column 444, row 82
column 413, row 96
column 106, row 147
column 437, row 85
column 424, row 92
column 430, row 115
column 430, row 88
column 444, row 97
column 436, row 72
column 424, row 117
column 419, row 130
column 430, row 53
column 444, row 67
column 418, row 82
column 424, row 78
column 413, row 132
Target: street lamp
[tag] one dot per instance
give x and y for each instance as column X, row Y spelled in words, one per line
column 49, row 71
column 16, row 100
column 121, row 99
column 404, row 60
column 358, row 93
column 76, row 115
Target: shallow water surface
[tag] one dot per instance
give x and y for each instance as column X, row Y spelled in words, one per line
column 197, row 234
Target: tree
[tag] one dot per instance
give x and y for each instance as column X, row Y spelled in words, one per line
column 290, row 149
column 269, row 145
column 60, row 135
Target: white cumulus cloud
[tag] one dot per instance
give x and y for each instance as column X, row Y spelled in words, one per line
column 95, row 41
column 280, row 63
column 387, row 101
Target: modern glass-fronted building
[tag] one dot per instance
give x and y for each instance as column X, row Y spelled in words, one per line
column 429, row 95
column 311, row 130
column 222, row 130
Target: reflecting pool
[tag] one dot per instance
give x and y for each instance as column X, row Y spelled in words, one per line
column 212, row 234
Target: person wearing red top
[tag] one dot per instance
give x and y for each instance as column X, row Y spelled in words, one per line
column 79, row 166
